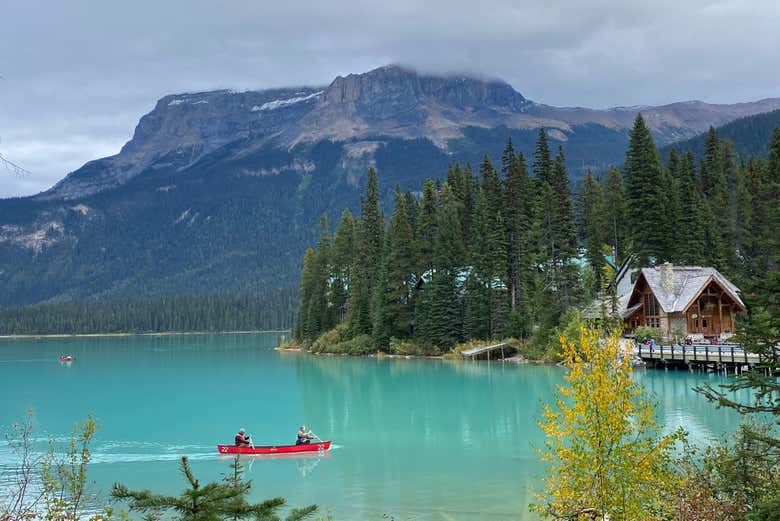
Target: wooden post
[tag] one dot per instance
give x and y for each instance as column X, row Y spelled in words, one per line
column 720, row 314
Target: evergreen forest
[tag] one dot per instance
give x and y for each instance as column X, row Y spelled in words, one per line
column 508, row 249
column 200, row 312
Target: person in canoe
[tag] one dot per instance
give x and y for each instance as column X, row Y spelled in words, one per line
column 304, row 437
column 243, row 439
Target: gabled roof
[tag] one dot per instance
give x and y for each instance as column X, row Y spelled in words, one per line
column 684, row 285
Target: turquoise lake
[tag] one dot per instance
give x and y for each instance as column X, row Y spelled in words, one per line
column 414, row 439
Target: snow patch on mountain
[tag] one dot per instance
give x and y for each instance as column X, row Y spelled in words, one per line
column 279, row 103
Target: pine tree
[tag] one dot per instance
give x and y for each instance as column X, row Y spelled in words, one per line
column 302, row 330
column 426, row 229
column 675, row 210
column 543, row 163
column 734, row 185
column 370, row 245
column 645, row 195
column 691, row 226
column 593, row 225
column 771, row 195
column 321, row 316
column 615, row 203
column 394, row 308
column 210, row 502
column 440, row 317
column 564, row 234
column 343, row 258
column 518, row 209
column 713, row 184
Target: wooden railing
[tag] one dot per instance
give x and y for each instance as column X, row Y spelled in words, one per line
column 720, row 353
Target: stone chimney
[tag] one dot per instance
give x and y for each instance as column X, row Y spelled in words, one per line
column 667, row 277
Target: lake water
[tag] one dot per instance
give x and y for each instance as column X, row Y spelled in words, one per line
column 414, row 439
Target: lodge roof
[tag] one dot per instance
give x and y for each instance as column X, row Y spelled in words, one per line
column 676, row 287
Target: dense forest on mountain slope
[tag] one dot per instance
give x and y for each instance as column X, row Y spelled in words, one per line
column 195, row 232
column 209, row 312
column 751, row 136
column 221, row 192
column 496, row 253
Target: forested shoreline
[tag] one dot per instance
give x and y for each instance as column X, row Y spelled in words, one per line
column 191, row 313
column 511, row 250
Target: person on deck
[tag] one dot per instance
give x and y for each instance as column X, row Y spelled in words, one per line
column 304, row 437
column 242, row 439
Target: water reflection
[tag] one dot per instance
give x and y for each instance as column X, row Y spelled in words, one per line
column 422, row 439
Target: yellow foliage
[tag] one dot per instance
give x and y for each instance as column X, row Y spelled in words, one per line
column 604, row 451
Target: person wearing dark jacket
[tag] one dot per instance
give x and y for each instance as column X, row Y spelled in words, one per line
column 242, row 439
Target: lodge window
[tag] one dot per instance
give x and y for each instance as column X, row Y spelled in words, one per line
column 652, row 311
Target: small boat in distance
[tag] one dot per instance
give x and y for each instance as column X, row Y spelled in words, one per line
column 275, row 449
column 66, row 359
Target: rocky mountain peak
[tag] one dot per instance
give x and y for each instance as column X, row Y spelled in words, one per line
column 394, row 88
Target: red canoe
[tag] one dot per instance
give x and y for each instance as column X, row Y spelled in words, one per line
column 274, row 449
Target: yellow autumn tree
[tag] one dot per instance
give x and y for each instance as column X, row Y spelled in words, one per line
column 605, row 454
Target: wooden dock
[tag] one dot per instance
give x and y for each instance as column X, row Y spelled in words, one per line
column 731, row 354
column 474, row 352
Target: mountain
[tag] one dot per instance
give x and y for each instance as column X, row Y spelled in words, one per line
column 222, row 191
column 751, row 136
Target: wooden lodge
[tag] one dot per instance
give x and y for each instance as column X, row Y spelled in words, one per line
column 681, row 301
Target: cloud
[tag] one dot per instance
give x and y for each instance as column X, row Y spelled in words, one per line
column 79, row 74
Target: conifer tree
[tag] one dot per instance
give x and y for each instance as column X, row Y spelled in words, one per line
column 412, row 212
column 734, row 185
column 440, row 317
column 564, row 234
column 713, row 184
column 593, row 224
column 207, row 502
column 645, row 195
column 320, row 312
column 370, row 244
column 615, row 204
column 518, row 205
column 426, row 228
column 302, row 330
column 394, row 308
column 343, row 259
column 543, row 162
column 467, row 214
column 771, row 195
column 690, row 236
column 675, row 210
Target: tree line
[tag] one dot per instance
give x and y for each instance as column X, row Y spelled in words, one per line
column 507, row 250
column 209, row 312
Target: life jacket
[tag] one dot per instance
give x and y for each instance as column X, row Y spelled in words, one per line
column 241, row 438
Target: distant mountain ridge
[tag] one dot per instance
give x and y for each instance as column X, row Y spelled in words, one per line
column 750, row 135
column 389, row 102
column 222, row 191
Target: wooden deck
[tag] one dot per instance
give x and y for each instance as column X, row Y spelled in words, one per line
column 722, row 354
column 479, row 350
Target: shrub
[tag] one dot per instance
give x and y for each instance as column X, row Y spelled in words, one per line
column 643, row 333
column 327, row 341
column 407, row 348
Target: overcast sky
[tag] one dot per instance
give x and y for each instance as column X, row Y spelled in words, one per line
column 77, row 75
